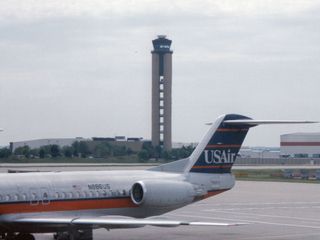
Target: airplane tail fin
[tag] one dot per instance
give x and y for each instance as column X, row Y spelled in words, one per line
column 219, row 148
column 217, row 151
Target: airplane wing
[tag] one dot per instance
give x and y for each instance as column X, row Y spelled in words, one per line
column 115, row 222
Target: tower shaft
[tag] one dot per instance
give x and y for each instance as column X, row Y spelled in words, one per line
column 162, row 93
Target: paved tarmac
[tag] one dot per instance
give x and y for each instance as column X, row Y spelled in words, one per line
column 273, row 210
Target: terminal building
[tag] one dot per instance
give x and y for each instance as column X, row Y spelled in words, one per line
column 300, row 145
column 37, row 143
column 134, row 143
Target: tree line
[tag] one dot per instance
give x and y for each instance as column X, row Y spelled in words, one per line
column 81, row 149
column 77, row 149
column 148, row 151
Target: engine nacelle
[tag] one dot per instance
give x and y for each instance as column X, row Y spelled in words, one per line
column 168, row 193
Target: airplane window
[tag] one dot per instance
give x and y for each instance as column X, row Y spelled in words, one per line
column 33, row 196
column 82, row 194
column 45, row 195
column 102, row 193
column 77, row 194
column 45, row 198
column 15, row 197
column 23, row 196
column 34, row 200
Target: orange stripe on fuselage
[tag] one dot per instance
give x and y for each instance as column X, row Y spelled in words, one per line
column 67, row 205
column 210, row 194
column 213, row 193
column 213, row 166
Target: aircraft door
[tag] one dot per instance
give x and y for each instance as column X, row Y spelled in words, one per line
column 44, row 192
column 34, row 196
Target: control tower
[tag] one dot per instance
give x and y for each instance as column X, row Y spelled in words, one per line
column 161, row 92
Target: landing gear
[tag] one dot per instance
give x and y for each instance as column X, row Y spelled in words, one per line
column 74, row 235
column 19, row 236
column 24, row 236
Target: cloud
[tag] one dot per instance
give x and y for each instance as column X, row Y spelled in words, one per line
column 37, row 9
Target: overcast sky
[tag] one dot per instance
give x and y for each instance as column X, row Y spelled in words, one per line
column 83, row 67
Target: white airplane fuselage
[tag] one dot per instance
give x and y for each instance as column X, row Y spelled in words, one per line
column 97, row 193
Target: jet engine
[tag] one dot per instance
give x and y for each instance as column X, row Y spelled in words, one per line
column 168, row 193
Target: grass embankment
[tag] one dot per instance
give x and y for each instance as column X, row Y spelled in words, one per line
column 276, row 175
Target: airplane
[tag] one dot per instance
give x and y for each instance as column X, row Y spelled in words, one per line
column 72, row 204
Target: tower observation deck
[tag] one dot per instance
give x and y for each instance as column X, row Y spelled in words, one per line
column 161, row 92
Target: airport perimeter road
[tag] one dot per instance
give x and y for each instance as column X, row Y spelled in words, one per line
column 286, row 211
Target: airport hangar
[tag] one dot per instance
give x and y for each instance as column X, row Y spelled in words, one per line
column 300, row 145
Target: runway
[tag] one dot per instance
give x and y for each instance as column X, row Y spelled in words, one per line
column 273, row 210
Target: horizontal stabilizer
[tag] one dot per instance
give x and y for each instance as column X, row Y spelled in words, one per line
column 251, row 122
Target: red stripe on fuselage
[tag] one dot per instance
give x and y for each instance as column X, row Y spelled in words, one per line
column 223, row 146
column 67, row 205
column 231, row 130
